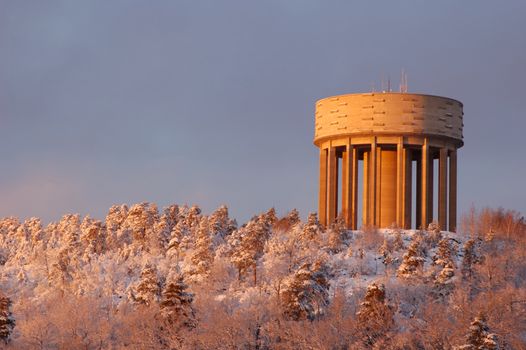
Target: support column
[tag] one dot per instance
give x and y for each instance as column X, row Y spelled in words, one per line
column 400, row 182
column 378, row 188
column 418, row 209
column 453, row 190
column 354, row 190
column 332, row 195
column 407, row 189
column 347, row 184
column 366, row 178
column 322, row 197
column 442, row 189
column 424, row 180
column 372, row 183
column 430, row 189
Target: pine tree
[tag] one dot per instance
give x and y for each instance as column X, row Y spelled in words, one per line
column 398, row 242
column 305, row 293
column 445, row 253
column 203, row 257
column 270, row 216
column 92, row 237
column 148, row 289
column 114, row 222
column 337, row 235
column 293, row 217
column 163, row 228
column 179, row 232
column 375, row 316
column 248, row 244
column 434, row 235
column 471, row 258
column 141, row 221
column 7, row 322
column 413, row 261
column 38, row 239
column 221, row 225
column 176, row 303
column 69, row 226
column 192, row 217
column 479, row 337
column 311, row 230
column 60, row 273
column 446, row 274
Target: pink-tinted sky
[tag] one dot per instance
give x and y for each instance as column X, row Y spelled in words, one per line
column 211, row 102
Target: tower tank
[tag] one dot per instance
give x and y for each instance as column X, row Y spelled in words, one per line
column 386, row 146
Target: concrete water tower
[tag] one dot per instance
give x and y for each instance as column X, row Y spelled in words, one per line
column 389, row 142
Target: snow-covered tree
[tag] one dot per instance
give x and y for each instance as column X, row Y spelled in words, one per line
column 471, row 257
column 479, row 336
column 141, row 221
column 337, row 235
column 221, row 225
column 163, row 228
column 69, row 225
column 413, row 261
column 147, row 290
column 248, row 243
column 193, row 216
column 375, row 316
column 7, row 322
column 445, row 253
column 176, row 303
column 114, row 221
column 284, row 253
column 305, row 293
column 92, row 237
column 202, row 256
column 60, row 273
column 398, row 242
column 270, row 216
column 293, row 217
column 312, row 229
column 434, row 235
column 179, row 233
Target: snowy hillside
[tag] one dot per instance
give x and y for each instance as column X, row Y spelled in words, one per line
column 179, row 279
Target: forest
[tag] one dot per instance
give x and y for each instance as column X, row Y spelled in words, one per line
column 175, row 278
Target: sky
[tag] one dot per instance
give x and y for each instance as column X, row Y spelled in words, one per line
column 212, row 102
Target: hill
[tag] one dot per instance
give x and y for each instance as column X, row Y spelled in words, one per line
column 179, row 279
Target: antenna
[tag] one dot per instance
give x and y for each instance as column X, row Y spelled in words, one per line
column 403, row 82
column 388, row 83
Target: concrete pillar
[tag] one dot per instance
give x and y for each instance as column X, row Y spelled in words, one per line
column 418, row 201
column 354, row 190
column 365, row 199
column 407, row 198
column 377, row 187
column 424, row 180
column 332, row 176
column 442, row 189
column 453, row 191
column 322, row 197
column 347, row 184
column 400, row 182
column 386, row 189
column 372, row 182
column 430, row 189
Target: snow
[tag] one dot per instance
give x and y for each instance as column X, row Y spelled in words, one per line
column 128, row 258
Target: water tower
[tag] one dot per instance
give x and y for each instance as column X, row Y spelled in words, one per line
column 391, row 143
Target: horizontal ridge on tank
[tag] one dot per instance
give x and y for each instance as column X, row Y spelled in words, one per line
column 388, row 113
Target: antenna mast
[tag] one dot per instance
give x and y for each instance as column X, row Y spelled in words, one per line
column 403, row 82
